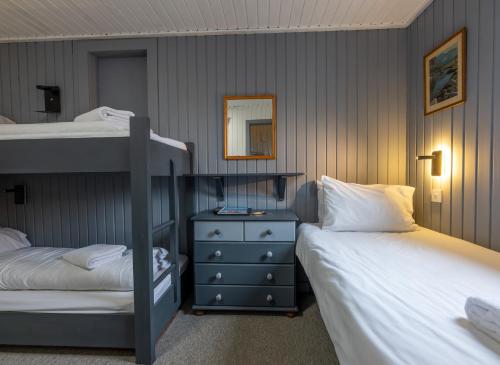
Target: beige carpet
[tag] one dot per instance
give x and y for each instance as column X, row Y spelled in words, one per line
column 215, row 338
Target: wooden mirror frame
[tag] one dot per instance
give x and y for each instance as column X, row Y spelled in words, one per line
column 256, row 157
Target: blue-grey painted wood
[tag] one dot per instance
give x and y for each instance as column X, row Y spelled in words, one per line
column 218, row 231
column 110, row 82
column 142, row 243
column 326, row 95
column 233, row 274
column 253, row 296
column 244, row 274
column 270, row 231
column 248, row 252
column 78, row 209
column 270, row 216
column 65, row 329
column 85, row 60
column 468, row 133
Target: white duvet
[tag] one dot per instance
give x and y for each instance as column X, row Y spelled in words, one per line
column 42, row 268
column 98, row 129
column 398, row 298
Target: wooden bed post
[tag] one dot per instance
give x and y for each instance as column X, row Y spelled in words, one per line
column 140, row 188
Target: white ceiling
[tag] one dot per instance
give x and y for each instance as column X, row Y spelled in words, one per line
column 23, row 20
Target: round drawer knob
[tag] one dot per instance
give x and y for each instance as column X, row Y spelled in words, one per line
column 218, row 253
column 269, row 254
column 218, row 276
column 218, row 297
column 269, row 232
column 269, row 298
column 269, row 276
column 217, row 232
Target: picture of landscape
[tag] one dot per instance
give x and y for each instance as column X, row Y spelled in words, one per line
column 444, row 74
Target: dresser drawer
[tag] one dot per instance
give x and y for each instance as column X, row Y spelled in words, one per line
column 270, row 231
column 249, row 274
column 218, row 231
column 244, row 252
column 251, row 296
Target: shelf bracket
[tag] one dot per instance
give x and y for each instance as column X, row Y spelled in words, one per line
column 281, row 187
column 219, row 188
column 279, row 179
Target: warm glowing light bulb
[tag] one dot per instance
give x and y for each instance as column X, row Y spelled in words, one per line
column 446, row 164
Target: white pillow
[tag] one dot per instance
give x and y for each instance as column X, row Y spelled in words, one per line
column 321, row 201
column 11, row 239
column 5, row 120
column 367, row 208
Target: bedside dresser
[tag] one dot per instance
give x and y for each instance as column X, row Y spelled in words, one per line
column 245, row 262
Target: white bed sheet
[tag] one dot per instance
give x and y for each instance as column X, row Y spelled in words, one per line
column 99, row 129
column 72, row 301
column 398, row 298
column 67, row 301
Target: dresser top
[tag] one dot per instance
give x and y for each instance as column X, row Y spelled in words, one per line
column 271, row 215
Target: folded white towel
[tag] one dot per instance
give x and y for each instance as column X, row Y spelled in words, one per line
column 485, row 316
column 105, row 113
column 93, row 256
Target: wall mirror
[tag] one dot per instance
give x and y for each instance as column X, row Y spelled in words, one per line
column 249, row 127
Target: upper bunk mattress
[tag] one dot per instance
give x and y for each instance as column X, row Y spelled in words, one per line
column 398, row 298
column 99, row 129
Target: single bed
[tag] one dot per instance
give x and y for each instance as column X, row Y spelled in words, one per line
column 398, row 298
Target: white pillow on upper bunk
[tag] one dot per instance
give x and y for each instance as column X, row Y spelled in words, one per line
column 5, row 120
column 12, row 239
column 367, row 208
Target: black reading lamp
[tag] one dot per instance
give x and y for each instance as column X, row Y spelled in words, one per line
column 52, row 96
column 437, row 162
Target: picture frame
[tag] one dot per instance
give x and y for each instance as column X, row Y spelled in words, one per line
column 445, row 74
column 241, row 114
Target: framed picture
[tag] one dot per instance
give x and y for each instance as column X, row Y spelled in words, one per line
column 444, row 74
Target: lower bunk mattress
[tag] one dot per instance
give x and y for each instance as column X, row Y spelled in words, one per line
column 66, row 301
column 24, row 286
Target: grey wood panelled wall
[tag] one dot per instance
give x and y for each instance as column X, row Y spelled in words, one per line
column 341, row 111
column 78, row 209
column 470, row 132
column 341, row 108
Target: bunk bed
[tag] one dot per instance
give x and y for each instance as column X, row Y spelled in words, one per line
column 142, row 155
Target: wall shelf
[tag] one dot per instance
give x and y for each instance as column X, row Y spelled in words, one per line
column 279, row 178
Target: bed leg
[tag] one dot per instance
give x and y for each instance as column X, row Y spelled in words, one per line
column 291, row 314
column 145, row 356
column 199, row 313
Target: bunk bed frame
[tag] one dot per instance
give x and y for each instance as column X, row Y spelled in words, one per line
column 142, row 158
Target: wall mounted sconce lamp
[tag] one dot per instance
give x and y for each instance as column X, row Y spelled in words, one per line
column 437, row 162
column 52, row 97
column 19, row 192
